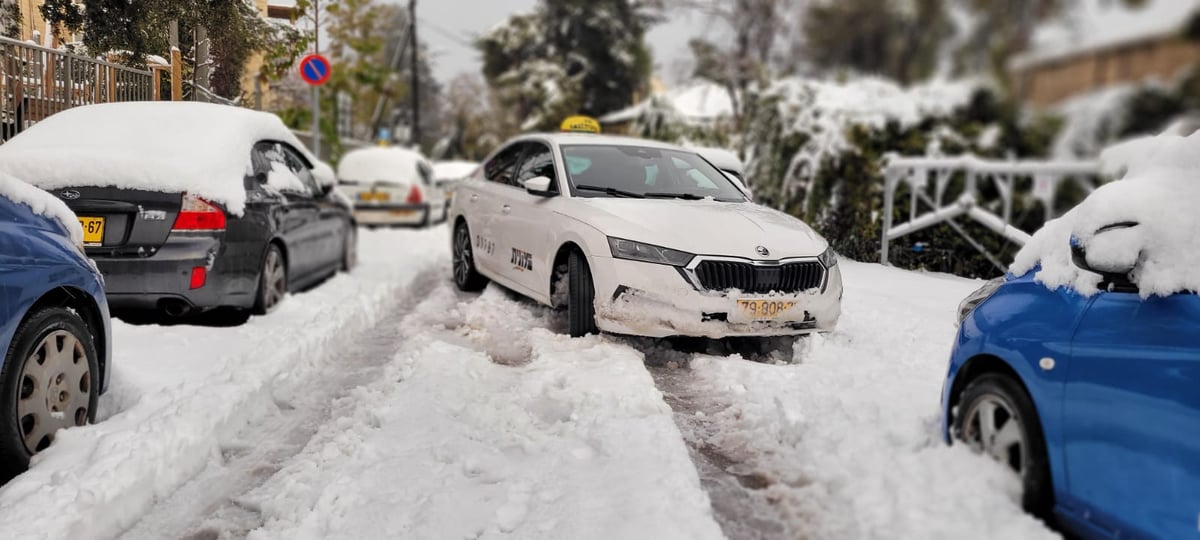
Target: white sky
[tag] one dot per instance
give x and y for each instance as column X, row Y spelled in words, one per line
column 449, row 26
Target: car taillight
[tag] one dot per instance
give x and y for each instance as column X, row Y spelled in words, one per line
column 414, row 195
column 197, row 214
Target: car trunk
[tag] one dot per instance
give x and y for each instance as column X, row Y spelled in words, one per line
column 122, row 222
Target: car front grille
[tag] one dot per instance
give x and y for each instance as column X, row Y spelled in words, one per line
column 785, row 278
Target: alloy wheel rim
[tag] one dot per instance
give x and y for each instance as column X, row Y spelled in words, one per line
column 275, row 278
column 462, row 255
column 993, row 428
column 55, row 390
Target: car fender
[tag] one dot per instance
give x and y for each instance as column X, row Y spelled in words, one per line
column 999, row 329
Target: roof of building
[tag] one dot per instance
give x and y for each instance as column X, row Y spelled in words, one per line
column 1091, row 25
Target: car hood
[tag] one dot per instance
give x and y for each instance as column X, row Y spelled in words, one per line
column 704, row 227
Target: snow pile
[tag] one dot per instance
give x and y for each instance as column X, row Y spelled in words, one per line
column 1088, row 25
column 179, row 393
column 391, row 165
column 1158, row 194
column 453, row 170
column 845, row 439
column 574, row 442
column 41, row 203
column 200, row 148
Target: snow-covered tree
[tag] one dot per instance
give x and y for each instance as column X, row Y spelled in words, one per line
column 10, row 18
column 569, row 57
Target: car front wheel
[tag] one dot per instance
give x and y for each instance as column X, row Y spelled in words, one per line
column 581, row 297
column 466, row 278
column 50, row 381
column 997, row 418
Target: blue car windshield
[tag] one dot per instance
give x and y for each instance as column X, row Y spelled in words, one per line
column 642, row 172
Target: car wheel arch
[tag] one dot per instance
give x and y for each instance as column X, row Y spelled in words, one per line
column 979, row 366
column 283, row 252
column 560, row 260
column 66, row 296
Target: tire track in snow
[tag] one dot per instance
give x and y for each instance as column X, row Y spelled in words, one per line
column 208, row 507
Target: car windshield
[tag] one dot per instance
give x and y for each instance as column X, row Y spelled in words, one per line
column 641, row 172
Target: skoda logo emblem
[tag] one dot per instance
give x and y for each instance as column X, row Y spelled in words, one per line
column 761, row 250
column 70, row 194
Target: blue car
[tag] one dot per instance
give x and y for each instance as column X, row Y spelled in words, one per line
column 54, row 326
column 1094, row 400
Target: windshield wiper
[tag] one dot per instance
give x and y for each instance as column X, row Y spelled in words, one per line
column 685, row 196
column 612, row 191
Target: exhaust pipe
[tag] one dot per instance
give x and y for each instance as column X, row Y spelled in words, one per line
column 175, row 308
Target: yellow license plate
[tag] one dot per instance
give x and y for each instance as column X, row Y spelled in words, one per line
column 93, row 230
column 765, row 309
column 401, row 212
column 377, row 197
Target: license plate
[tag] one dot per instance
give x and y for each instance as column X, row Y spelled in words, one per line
column 377, row 197
column 93, row 230
column 401, row 212
column 765, row 309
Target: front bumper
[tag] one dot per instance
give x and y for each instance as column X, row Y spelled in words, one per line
column 655, row 300
column 392, row 214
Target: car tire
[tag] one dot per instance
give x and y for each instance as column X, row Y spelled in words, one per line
column 272, row 281
column 581, row 297
column 1008, row 403
column 28, row 400
column 466, row 278
column 350, row 248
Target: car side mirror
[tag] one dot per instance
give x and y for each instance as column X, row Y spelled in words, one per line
column 326, row 189
column 539, row 185
column 1114, row 255
column 260, row 177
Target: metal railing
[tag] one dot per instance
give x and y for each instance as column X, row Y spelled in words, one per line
column 36, row 82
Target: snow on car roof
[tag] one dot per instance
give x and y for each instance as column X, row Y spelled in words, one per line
column 199, row 148
column 1158, row 193
column 453, row 170
column 41, row 203
column 376, row 164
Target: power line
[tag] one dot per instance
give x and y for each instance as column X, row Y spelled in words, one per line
column 449, row 34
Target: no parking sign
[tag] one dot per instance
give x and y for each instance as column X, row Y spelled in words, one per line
column 315, row 69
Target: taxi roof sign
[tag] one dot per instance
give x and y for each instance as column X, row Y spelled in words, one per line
column 580, row 124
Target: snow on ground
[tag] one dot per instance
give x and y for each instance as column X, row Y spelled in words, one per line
column 177, row 392
column 545, row 437
column 846, row 437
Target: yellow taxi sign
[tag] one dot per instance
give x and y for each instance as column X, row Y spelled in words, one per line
column 581, row 124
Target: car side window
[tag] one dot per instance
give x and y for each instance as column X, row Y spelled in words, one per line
column 425, row 172
column 502, row 168
column 301, row 169
column 539, row 161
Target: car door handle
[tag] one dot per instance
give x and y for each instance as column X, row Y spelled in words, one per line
column 505, row 209
column 474, row 198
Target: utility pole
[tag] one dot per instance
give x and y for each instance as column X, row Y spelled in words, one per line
column 202, row 75
column 416, row 76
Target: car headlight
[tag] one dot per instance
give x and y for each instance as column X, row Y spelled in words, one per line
column 637, row 251
column 828, row 258
column 974, row 299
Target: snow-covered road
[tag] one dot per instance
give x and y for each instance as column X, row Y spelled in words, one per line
column 386, row 404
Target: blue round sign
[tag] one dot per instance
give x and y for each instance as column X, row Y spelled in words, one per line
column 315, row 69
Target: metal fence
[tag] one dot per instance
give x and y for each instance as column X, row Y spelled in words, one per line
column 36, row 82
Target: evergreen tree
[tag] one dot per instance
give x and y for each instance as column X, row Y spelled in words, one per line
column 569, row 57
column 10, row 19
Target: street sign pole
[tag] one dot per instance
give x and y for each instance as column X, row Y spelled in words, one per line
column 316, row 121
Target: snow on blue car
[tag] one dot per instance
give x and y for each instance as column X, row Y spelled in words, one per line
column 1081, row 369
column 54, row 325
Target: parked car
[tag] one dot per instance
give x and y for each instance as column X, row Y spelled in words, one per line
column 190, row 206
column 728, row 163
column 391, row 186
column 54, row 326
column 447, row 175
column 639, row 237
column 1080, row 369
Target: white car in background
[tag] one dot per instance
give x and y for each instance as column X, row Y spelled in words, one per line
column 639, row 237
column 391, row 186
column 729, row 164
column 446, row 174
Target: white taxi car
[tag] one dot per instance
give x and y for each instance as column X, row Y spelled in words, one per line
column 391, row 186
column 641, row 238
